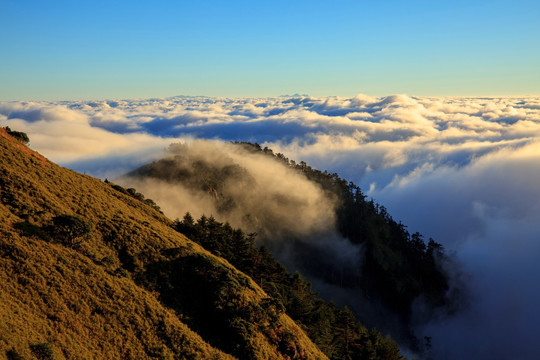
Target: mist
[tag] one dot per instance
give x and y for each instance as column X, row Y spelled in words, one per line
column 265, row 193
column 462, row 170
column 290, row 214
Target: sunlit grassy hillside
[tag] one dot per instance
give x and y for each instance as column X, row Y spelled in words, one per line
column 101, row 294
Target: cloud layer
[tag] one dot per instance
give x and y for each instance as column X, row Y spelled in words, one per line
column 465, row 171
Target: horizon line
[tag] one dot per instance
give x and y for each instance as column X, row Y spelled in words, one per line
column 295, row 95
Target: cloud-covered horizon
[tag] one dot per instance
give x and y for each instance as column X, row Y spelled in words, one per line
column 463, row 170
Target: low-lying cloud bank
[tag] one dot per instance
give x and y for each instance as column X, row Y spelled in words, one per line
column 465, row 171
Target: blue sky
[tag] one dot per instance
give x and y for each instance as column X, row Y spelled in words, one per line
column 54, row 50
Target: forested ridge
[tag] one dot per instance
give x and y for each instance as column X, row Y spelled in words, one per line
column 334, row 329
column 397, row 268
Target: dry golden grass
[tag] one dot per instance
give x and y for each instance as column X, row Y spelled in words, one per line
column 82, row 300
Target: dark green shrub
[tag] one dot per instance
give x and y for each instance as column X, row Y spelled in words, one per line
column 28, row 229
column 13, row 355
column 119, row 188
column 70, row 229
column 20, row 136
column 135, row 194
column 42, row 351
column 153, row 204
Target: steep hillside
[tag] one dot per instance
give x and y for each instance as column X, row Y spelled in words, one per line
column 89, row 271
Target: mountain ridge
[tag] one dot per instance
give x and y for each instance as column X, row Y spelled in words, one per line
column 88, row 300
column 355, row 251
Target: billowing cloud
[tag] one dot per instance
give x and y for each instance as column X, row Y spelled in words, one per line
column 260, row 202
column 464, row 171
column 66, row 135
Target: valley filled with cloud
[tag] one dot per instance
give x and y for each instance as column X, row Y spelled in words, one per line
column 462, row 170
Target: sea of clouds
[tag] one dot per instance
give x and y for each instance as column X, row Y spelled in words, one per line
column 465, row 171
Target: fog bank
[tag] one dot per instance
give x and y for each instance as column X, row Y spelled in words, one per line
column 462, row 170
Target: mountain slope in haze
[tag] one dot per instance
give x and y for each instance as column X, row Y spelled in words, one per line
column 130, row 288
column 314, row 222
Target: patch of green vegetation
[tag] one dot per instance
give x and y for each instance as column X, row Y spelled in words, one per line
column 335, row 331
column 70, row 229
column 215, row 301
column 28, row 229
column 134, row 194
column 12, row 354
column 42, row 351
column 20, row 136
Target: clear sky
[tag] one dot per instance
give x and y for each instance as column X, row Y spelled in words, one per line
column 54, row 50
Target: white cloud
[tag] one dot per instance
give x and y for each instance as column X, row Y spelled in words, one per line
column 66, row 135
column 462, row 170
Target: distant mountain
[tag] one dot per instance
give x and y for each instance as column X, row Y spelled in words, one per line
column 352, row 249
column 92, row 271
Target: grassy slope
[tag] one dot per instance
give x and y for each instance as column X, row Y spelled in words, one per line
column 86, row 301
